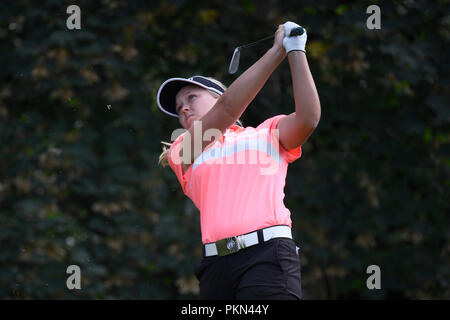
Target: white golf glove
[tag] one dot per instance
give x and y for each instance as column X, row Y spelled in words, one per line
column 296, row 42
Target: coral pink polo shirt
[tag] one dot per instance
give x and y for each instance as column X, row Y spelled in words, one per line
column 238, row 183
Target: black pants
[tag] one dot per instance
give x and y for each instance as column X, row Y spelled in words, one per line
column 270, row 270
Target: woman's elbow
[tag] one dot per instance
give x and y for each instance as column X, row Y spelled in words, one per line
column 315, row 114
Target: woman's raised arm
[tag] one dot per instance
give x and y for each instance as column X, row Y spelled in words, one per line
column 297, row 127
column 233, row 102
column 244, row 89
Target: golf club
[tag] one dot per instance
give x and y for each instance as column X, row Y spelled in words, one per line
column 234, row 64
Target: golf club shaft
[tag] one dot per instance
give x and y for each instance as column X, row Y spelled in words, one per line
column 234, row 63
column 256, row 42
column 295, row 32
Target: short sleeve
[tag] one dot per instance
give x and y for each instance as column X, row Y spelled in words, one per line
column 272, row 124
column 174, row 160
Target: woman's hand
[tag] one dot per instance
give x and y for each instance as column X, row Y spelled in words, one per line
column 278, row 40
column 296, row 42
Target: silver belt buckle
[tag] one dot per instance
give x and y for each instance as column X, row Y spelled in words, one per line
column 229, row 245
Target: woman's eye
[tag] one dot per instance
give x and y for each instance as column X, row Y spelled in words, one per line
column 191, row 96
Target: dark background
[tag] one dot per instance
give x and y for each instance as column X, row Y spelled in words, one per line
column 80, row 184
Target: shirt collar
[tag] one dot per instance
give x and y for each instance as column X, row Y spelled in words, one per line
column 231, row 129
column 234, row 127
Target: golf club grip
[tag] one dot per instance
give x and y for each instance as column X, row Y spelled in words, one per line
column 297, row 32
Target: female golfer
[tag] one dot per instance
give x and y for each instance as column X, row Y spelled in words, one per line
column 235, row 175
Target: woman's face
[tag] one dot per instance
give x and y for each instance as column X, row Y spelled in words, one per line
column 192, row 103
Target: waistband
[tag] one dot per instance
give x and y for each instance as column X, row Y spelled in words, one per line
column 231, row 245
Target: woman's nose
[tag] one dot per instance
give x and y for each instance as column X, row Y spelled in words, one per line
column 185, row 108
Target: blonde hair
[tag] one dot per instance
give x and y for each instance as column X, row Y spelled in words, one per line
column 163, row 161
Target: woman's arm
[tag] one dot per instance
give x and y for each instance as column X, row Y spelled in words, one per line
column 230, row 106
column 297, row 127
column 244, row 89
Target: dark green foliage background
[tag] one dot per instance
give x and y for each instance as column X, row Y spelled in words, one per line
column 80, row 184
